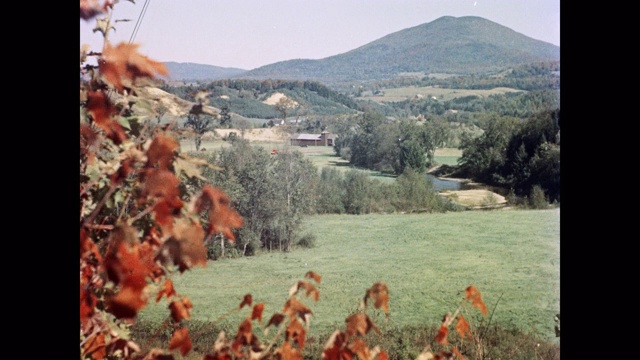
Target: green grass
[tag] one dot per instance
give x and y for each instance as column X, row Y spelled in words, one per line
column 427, row 260
column 443, row 94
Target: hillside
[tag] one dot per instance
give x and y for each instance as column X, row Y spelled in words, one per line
column 196, row 72
column 463, row 45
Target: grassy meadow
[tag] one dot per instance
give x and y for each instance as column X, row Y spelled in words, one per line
column 444, row 94
column 427, row 260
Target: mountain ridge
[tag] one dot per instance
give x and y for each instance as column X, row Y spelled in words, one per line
column 455, row 45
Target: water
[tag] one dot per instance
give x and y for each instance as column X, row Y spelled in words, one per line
column 440, row 184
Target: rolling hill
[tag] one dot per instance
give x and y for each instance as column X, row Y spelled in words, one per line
column 195, row 72
column 462, row 45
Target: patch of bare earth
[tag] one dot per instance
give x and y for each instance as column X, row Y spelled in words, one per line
column 476, row 199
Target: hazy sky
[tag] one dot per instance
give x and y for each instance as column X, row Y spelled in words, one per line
column 247, row 34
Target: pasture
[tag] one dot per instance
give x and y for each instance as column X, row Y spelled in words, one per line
column 443, row 94
column 427, row 260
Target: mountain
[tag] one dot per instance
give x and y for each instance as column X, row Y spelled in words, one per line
column 462, row 45
column 195, row 72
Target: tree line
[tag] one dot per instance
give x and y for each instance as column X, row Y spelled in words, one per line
column 273, row 192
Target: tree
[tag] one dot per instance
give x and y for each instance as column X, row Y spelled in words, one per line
column 284, row 106
column 198, row 120
column 225, row 117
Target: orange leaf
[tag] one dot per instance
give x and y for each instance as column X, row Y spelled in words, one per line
column 222, row 218
column 246, row 301
column 88, row 248
column 102, row 111
column 245, row 333
column 127, row 302
column 441, row 337
column 473, row 294
column 313, row 275
column 181, row 340
column 88, row 142
column 95, row 347
column 257, row 312
column 161, row 184
column 379, row 293
column 122, row 65
column 287, row 352
column 359, row 324
column 383, row 355
column 161, row 152
column 296, row 331
column 462, row 327
column 294, row 307
column 275, row 320
column 180, row 309
column 168, row 290
column 88, row 302
column 360, row 348
column 190, row 238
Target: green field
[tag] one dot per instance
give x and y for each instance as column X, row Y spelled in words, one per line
column 444, row 94
column 427, row 260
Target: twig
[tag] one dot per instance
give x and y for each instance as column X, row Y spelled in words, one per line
column 99, row 227
column 95, row 212
column 141, row 214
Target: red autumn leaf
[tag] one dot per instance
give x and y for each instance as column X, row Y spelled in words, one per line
column 126, row 167
column 296, row 331
column 181, row 309
column 88, row 142
column 257, row 312
column 287, row 352
column 161, row 152
column 246, row 300
column 275, row 320
column 441, row 337
column 334, row 349
column 167, row 290
column 359, row 324
column 383, row 355
column 379, row 293
column 360, row 348
column 190, row 240
column 127, row 302
column 462, row 327
column 245, row 333
column 122, row 64
column 162, row 185
column 88, row 302
column 313, row 275
column 88, row 248
column 222, row 218
column 180, row 340
column 473, row 294
column 102, row 111
column 123, row 259
column 95, row 347
column 294, row 307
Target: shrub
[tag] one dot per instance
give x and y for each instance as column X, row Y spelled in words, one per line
column 537, row 199
column 308, row 240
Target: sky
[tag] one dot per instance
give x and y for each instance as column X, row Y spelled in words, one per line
column 247, row 34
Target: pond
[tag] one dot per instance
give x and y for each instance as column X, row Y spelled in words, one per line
column 440, row 184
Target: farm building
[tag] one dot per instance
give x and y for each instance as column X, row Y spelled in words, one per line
column 323, row 139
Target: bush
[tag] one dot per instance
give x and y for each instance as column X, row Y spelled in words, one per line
column 537, row 198
column 308, row 240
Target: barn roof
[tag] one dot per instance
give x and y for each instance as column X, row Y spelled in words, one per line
column 306, row 137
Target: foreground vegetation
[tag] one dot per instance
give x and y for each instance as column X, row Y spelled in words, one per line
column 425, row 258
